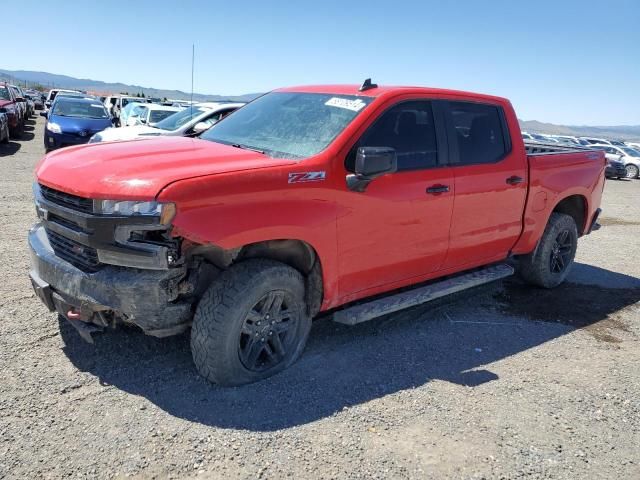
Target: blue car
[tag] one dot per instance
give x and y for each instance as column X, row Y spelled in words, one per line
column 72, row 121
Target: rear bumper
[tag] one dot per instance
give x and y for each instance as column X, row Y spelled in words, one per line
column 611, row 171
column 146, row 298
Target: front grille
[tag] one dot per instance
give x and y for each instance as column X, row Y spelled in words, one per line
column 64, row 222
column 67, row 200
column 81, row 256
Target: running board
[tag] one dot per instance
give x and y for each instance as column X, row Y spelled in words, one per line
column 376, row 308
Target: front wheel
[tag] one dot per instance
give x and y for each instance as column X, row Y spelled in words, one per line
column 551, row 261
column 251, row 323
column 632, row 171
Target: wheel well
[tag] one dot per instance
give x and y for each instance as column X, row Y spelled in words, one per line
column 295, row 253
column 576, row 207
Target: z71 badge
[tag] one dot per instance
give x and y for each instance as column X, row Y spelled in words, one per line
column 307, row 177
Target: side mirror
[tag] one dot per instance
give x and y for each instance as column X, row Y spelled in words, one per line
column 43, row 114
column 371, row 163
column 200, row 127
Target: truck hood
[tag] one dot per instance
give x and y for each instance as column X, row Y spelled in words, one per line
column 138, row 170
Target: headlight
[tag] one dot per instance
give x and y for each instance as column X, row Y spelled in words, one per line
column 129, row 208
column 54, row 127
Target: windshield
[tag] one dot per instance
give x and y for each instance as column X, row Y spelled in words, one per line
column 174, row 122
column 157, row 115
column 288, row 124
column 631, row 152
column 4, row 93
column 66, row 108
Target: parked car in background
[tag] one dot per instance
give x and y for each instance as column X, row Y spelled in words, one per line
column 602, row 141
column 150, row 114
column 36, row 97
column 569, row 140
column 72, row 121
column 190, row 121
column 21, row 101
column 539, row 137
column 615, row 167
column 527, row 136
column 51, row 96
column 125, row 113
column 10, row 105
column 635, row 146
column 628, row 156
column 116, row 103
column 4, row 127
column 31, row 106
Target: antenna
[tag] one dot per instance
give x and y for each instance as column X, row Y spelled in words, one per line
column 367, row 85
column 193, row 60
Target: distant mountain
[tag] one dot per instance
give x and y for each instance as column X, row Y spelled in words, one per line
column 621, row 132
column 50, row 80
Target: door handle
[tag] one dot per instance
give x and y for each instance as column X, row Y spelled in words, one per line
column 435, row 189
column 514, row 180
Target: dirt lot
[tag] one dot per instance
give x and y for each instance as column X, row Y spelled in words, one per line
column 501, row 382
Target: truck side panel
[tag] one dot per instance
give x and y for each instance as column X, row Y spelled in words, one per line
column 554, row 177
column 257, row 206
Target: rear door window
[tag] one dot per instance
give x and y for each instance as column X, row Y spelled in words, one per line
column 478, row 132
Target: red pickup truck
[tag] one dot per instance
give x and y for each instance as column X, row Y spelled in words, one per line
column 357, row 201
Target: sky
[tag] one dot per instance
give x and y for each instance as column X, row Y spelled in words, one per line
column 563, row 61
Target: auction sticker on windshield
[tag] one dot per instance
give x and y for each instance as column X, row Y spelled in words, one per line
column 354, row 105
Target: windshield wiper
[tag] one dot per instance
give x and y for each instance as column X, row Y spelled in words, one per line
column 245, row 147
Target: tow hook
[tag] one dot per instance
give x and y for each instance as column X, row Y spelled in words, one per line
column 79, row 322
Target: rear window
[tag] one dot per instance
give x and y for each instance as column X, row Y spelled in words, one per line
column 478, row 131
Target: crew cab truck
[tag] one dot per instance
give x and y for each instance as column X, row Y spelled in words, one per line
column 356, row 201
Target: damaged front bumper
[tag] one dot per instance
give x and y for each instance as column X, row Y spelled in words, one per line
column 150, row 299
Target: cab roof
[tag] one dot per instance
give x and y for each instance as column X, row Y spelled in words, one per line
column 385, row 90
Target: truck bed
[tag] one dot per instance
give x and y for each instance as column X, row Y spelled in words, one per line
column 540, row 148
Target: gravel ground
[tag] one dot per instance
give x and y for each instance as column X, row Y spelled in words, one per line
column 502, row 382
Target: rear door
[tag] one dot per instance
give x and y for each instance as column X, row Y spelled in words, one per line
column 490, row 183
column 397, row 229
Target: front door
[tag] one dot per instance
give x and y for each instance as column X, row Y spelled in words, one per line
column 398, row 228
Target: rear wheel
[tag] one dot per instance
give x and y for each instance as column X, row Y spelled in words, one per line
column 632, row 171
column 551, row 261
column 251, row 323
column 6, row 134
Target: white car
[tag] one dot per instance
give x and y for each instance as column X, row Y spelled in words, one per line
column 189, row 121
column 51, row 96
column 115, row 104
column 595, row 141
column 570, row 140
column 628, row 156
column 149, row 114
